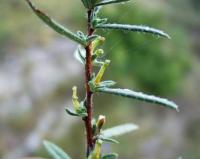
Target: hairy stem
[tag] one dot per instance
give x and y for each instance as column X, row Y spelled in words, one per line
column 89, row 94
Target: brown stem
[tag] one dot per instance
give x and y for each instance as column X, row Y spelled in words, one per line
column 89, row 94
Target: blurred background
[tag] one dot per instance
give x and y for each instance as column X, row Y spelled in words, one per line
column 38, row 70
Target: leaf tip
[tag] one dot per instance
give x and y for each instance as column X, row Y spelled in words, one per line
column 167, row 36
column 177, row 109
column 134, row 127
column 175, row 106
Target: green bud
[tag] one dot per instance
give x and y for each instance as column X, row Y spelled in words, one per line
column 75, row 101
column 99, row 52
column 98, row 42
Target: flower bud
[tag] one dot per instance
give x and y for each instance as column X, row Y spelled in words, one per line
column 101, row 121
column 98, row 42
column 75, row 101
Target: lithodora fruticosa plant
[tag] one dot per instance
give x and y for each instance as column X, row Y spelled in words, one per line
column 90, row 53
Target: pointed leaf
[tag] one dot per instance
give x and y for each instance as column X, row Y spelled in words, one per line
column 119, row 130
column 133, row 28
column 139, row 96
column 73, row 113
column 110, row 156
column 106, row 2
column 55, row 26
column 55, row 151
column 80, row 54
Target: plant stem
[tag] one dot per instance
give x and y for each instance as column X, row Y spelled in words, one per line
column 89, row 94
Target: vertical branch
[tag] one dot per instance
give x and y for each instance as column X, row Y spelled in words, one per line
column 89, row 94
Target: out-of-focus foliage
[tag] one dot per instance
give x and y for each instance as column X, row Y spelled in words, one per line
column 15, row 23
column 55, row 151
column 184, row 12
column 12, row 22
column 153, row 64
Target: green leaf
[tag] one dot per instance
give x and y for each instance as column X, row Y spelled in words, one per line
column 95, row 12
column 118, row 130
column 105, row 139
column 106, row 84
column 133, row 28
column 80, row 54
column 81, row 35
column 55, row 151
column 110, row 156
column 180, row 157
column 73, row 113
column 89, row 4
column 106, row 2
column 98, row 21
column 85, row 3
column 92, row 38
column 57, row 27
column 139, row 96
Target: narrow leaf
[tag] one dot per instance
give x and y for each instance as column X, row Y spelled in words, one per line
column 106, row 2
column 108, row 140
column 133, row 28
column 138, row 95
column 85, row 3
column 89, row 4
column 73, row 113
column 92, row 38
column 119, row 130
column 55, row 26
column 106, row 84
column 55, row 151
column 95, row 12
column 110, row 156
column 80, row 54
